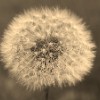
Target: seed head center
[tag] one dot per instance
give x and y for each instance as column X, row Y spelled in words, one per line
column 47, row 49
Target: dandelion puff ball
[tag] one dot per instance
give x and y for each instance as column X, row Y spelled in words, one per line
column 47, row 47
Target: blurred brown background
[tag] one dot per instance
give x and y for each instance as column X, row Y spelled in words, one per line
column 89, row 88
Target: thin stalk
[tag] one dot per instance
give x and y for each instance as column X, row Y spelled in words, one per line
column 46, row 93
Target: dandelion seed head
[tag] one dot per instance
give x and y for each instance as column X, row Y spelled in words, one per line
column 47, row 47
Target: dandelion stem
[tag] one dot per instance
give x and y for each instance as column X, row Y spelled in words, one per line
column 46, row 93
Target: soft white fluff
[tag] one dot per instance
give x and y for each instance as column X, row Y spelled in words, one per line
column 27, row 42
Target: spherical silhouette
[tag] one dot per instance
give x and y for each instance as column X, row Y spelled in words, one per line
column 47, row 47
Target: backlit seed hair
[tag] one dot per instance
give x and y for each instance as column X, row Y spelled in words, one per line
column 47, row 47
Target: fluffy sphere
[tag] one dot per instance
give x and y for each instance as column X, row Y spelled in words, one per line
column 45, row 47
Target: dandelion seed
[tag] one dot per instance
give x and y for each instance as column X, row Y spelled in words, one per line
column 54, row 48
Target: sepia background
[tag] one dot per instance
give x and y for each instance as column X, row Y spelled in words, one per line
column 89, row 88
